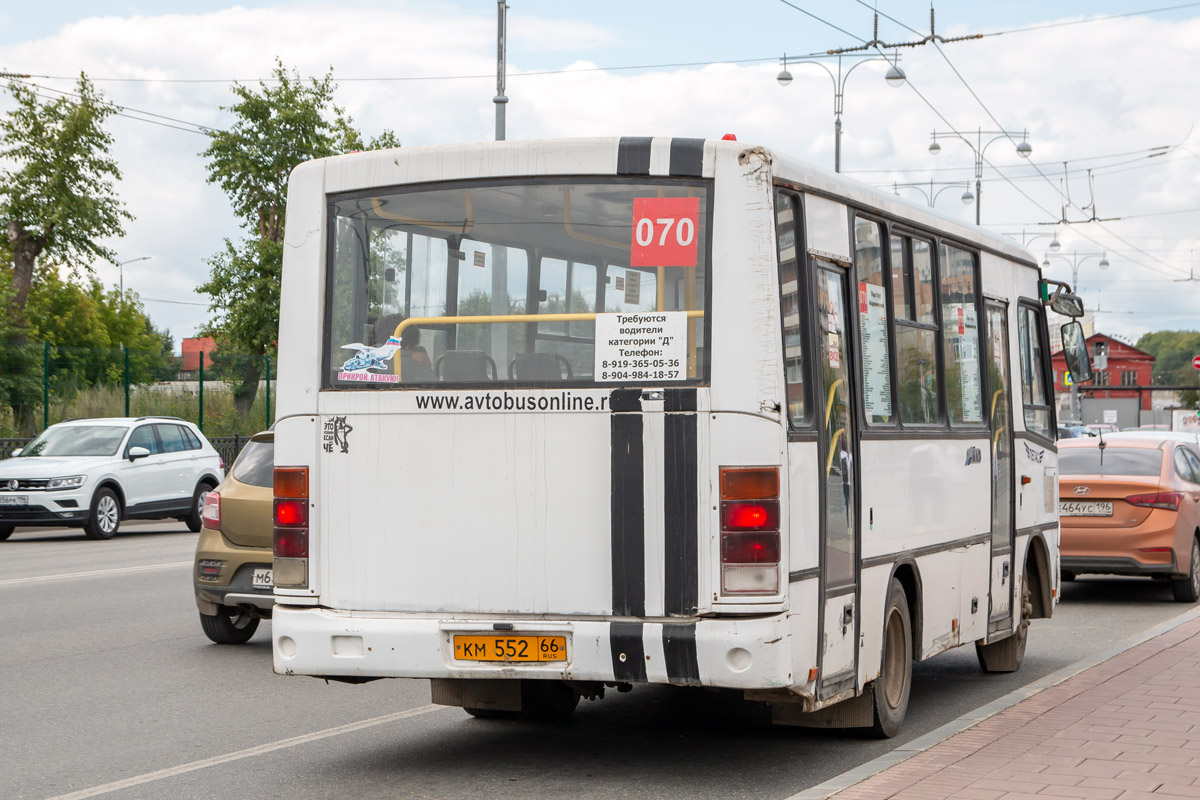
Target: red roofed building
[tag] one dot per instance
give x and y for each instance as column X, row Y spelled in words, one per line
column 192, row 348
column 1126, row 366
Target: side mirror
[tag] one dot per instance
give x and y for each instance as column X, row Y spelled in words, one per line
column 16, row 452
column 138, row 452
column 1076, row 353
column 1069, row 305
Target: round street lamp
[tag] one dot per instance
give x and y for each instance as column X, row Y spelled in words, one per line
column 968, row 198
column 1024, row 150
column 894, row 77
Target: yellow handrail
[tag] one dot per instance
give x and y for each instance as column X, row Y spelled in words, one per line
column 499, row 319
column 829, row 402
column 833, row 449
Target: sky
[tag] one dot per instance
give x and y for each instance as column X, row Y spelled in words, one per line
column 1103, row 91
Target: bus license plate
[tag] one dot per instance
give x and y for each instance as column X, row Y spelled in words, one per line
column 262, row 579
column 14, row 500
column 510, row 648
column 1071, row 508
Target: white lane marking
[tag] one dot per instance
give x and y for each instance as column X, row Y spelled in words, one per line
column 250, row 752
column 92, row 573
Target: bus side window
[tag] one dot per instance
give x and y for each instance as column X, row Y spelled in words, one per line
column 787, row 212
column 873, row 343
column 916, row 332
column 960, row 331
column 1033, row 379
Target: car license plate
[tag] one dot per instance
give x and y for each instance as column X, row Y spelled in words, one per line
column 510, row 648
column 1073, row 508
column 14, row 499
column 262, row 579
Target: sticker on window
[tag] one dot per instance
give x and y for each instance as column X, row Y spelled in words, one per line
column 665, row 231
column 369, row 364
column 641, row 347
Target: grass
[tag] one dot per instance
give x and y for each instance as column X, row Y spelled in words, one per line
column 220, row 416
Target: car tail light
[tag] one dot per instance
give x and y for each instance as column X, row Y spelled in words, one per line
column 750, row 538
column 290, row 541
column 1168, row 500
column 210, row 514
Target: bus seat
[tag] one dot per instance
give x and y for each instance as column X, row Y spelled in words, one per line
column 465, row 366
column 413, row 371
column 539, row 367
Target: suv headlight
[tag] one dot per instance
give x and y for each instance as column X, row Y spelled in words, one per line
column 73, row 482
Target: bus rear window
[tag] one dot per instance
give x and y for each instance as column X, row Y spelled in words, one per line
column 503, row 283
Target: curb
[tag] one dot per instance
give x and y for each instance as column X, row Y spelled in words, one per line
column 922, row 743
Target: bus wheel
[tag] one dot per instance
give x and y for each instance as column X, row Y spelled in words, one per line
column 894, row 684
column 548, row 701
column 1006, row 655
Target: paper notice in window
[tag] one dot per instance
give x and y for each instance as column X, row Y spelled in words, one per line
column 873, row 333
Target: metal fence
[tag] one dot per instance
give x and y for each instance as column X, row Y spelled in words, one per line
column 41, row 384
column 227, row 446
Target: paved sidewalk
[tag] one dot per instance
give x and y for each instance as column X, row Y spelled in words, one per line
column 1127, row 729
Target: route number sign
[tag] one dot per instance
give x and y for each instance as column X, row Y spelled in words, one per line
column 665, row 231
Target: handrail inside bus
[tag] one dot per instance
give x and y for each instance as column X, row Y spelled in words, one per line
column 829, row 401
column 464, row 227
column 498, row 319
column 833, row 449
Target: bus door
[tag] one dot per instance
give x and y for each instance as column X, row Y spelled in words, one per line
column 838, row 485
column 1000, row 416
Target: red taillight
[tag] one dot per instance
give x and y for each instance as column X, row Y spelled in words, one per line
column 291, row 527
column 291, row 513
column 291, row 543
column 1167, row 500
column 750, row 548
column 210, row 514
column 759, row 515
column 750, row 539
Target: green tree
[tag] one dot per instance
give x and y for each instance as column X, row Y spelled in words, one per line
column 1173, row 352
column 276, row 127
column 58, row 195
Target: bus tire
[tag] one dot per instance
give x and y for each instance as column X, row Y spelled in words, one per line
column 548, row 701
column 1007, row 654
column 892, row 688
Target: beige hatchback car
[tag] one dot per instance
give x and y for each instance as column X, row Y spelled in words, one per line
column 232, row 574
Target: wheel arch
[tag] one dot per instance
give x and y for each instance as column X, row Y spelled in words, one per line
column 111, row 483
column 1037, row 556
column 909, row 574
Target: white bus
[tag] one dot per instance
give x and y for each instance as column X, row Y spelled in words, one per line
column 555, row 416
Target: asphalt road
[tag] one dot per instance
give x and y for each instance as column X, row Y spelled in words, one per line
column 110, row 689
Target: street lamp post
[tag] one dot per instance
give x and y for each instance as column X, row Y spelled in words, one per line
column 895, row 77
column 1076, row 258
column 979, row 148
column 931, row 196
column 121, row 268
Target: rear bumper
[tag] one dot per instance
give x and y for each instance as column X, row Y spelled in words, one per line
column 1082, row 565
column 233, row 585
column 738, row 654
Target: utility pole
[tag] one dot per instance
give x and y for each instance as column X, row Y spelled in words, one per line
column 500, row 100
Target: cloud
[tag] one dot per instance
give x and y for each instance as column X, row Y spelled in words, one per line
column 1067, row 86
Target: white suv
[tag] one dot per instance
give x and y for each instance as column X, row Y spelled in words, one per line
column 96, row 472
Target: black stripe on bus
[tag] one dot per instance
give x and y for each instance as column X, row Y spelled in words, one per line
column 628, row 652
column 687, row 157
column 680, row 522
column 633, row 155
column 628, row 517
column 625, row 400
column 680, row 400
column 679, row 648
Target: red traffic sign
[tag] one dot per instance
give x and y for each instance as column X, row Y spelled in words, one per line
column 1196, row 362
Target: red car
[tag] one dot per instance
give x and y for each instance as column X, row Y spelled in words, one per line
column 1131, row 506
